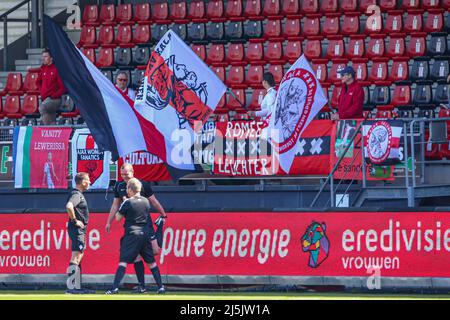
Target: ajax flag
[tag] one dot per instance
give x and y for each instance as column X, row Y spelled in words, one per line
column 86, row 157
column 178, row 94
column 300, row 97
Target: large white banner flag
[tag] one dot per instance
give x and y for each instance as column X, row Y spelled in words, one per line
column 178, row 94
column 299, row 98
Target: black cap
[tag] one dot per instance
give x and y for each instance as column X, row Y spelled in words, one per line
column 347, row 70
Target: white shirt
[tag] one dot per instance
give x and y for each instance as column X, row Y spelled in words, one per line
column 130, row 93
column 268, row 103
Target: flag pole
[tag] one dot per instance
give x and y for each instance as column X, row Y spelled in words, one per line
column 235, row 98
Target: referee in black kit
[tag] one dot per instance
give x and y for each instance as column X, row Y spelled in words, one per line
column 137, row 238
column 78, row 211
column 120, row 195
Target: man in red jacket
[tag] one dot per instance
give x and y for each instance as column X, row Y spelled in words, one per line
column 352, row 96
column 52, row 88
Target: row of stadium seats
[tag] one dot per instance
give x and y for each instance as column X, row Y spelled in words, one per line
column 354, row 47
column 17, row 107
column 184, row 11
column 127, row 36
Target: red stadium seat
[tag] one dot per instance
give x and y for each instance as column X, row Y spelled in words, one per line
column 408, row 5
column 160, row 13
column 331, row 24
column 360, row 67
column 197, row 11
column 178, row 12
column 88, row 37
column 257, row 96
column 383, row 114
column 105, row 58
column 106, row 37
column 277, row 72
column 291, row 29
column 319, row 67
column 274, row 52
column 379, row 70
column 220, row 72
column 11, row 108
column 309, row 6
column 90, row 16
column 124, row 36
column 430, row 4
column 200, row 51
column 393, row 22
column 376, row 47
column 30, row 105
column 386, row 5
column 236, row 76
column 142, row 13
column 337, row 65
column 254, row 76
column 253, row 9
column 13, row 84
column 89, row 53
column 235, row 54
column 365, row 4
column 348, row 5
column 234, row 9
column 108, row 15
column 255, row 53
column 350, row 24
column 271, row 8
column 216, row 55
column 374, row 24
column 335, row 48
column 30, row 84
column 232, row 103
column 328, row 6
column 290, row 8
column 399, row 70
column 432, row 151
column 413, row 21
column 396, row 46
column 435, row 21
column 401, row 95
column 355, row 47
column 142, row 34
column 417, row 45
column 311, row 25
column 215, row 11
column 292, row 51
column 272, row 29
column 313, row 49
column 336, row 92
column 124, row 14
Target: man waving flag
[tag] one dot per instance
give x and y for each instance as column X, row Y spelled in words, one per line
column 179, row 89
column 300, row 97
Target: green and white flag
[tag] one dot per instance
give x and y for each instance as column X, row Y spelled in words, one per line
column 41, row 156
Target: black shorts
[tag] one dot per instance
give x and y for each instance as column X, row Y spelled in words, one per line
column 132, row 245
column 77, row 236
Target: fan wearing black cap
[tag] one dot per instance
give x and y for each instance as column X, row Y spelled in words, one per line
column 352, row 96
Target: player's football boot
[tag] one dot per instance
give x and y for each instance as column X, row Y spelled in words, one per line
column 139, row 289
column 161, row 290
column 112, row 291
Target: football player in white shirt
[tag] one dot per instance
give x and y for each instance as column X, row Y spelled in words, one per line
column 269, row 101
column 122, row 82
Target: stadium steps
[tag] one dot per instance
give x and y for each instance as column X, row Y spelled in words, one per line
column 18, row 29
column 388, row 193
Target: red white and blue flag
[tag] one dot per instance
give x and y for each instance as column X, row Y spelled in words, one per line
column 178, row 90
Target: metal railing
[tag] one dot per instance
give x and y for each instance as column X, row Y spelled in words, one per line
column 35, row 14
column 414, row 142
column 330, row 178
